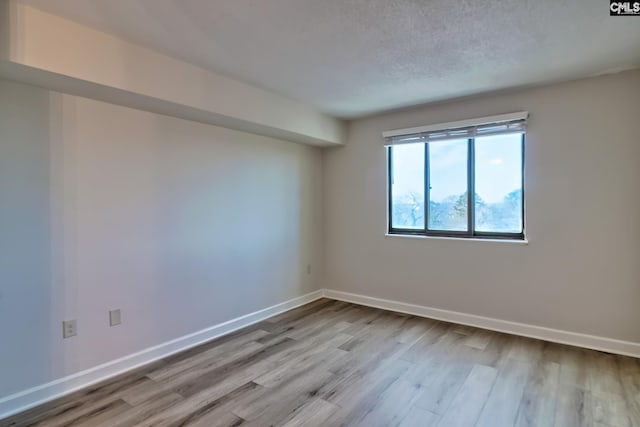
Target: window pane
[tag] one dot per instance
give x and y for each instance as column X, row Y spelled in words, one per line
column 407, row 186
column 499, row 183
column 448, row 185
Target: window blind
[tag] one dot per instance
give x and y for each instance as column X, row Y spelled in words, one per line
column 463, row 129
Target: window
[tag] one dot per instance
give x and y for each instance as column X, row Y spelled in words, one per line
column 462, row 180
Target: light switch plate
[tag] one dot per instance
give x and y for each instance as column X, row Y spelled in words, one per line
column 69, row 328
column 115, row 317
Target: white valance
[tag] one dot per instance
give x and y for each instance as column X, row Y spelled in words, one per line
column 463, row 129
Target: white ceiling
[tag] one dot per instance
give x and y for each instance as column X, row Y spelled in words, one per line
column 351, row 58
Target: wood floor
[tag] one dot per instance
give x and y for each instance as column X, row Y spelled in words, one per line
column 331, row 363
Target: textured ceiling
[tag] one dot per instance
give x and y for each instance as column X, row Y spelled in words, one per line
column 351, row 58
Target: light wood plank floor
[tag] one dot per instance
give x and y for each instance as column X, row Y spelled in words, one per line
column 331, row 363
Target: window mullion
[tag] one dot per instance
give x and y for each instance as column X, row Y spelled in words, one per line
column 390, row 184
column 522, row 183
column 470, row 187
column 426, row 187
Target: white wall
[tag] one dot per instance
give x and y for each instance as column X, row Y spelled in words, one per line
column 184, row 225
column 180, row 225
column 581, row 269
column 25, row 237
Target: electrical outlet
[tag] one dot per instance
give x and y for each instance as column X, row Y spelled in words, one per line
column 69, row 328
column 114, row 317
column 308, row 268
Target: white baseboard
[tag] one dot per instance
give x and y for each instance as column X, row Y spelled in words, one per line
column 26, row 399
column 609, row 345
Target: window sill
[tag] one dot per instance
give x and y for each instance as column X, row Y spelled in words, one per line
column 464, row 239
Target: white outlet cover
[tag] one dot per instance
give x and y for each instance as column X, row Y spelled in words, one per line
column 115, row 317
column 69, row 328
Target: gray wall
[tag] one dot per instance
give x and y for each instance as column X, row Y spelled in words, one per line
column 180, row 225
column 184, row 225
column 25, row 237
column 581, row 269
